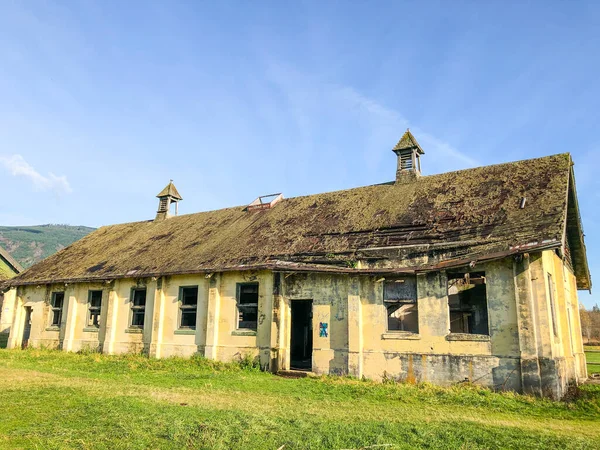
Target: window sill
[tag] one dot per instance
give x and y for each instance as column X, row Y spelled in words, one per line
column 185, row 331
column 91, row 329
column 53, row 328
column 468, row 337
column 401, row 335
column 134, row 330
column 243, row 333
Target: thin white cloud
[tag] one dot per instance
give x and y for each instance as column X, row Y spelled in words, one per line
column 390, row 116
column 17, row 166
column 311, row 98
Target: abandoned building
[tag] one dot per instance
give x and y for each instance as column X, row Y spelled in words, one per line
column 468, row 275
column 9, row 267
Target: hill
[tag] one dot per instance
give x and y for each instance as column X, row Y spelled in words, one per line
column 29, row 245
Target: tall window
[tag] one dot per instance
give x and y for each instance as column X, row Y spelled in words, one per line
column 94, row 305
column 138, row 307
column 400, row 300
column 188, row 306
column 58, row 299
column 247, row 305
column 552, row 306
column 467, row 301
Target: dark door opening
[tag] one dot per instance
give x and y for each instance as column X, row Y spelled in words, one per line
column 301, row 340
column 26, row 327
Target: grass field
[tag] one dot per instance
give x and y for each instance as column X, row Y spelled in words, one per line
column 592, row 356
column 61, row 400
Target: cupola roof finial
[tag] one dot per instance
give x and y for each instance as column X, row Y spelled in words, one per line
column 408, row 142
column 170, row 191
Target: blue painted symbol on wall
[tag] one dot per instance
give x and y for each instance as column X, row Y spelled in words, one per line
column 322, row 329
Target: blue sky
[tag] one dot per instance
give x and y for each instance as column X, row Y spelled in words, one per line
column 103, row 102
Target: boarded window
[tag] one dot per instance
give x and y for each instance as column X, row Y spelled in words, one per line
column 247, row 305
column 94, row 305
column 138, row 307
column 188, row 306
column 406, row 161
column 400, row 300
column 58, row 300
column 163, row 204
column 551, row 289
column 467, row 300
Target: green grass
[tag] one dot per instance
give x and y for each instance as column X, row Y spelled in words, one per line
column 61, row 400
column 593, row 360
column 29, row 245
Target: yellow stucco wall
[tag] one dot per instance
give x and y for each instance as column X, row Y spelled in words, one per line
column 357, row 342
column 6, row 303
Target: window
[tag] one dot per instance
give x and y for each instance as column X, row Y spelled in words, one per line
column 94, row 304
column 467, row 301
column 188, row 305
column 247, row 305
column 552, row 306
column 138, row 307
column 400, row 300
column 58, row 299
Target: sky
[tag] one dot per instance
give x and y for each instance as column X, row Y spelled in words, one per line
column 102, row 103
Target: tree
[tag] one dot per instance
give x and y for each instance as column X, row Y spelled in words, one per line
column 586, row 323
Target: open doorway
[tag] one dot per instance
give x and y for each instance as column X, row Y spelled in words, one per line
column 301, row 340
column 26, row 327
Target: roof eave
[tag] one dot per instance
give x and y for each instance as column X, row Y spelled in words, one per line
column 285, row 266
column 579, row 256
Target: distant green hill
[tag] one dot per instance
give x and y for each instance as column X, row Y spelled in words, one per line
column 29, row 245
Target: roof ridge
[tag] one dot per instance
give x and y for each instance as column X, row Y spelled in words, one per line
column 388, row 183
column 499, row 164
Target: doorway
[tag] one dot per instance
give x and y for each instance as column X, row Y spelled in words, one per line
column 26, row 327
column 301, row 339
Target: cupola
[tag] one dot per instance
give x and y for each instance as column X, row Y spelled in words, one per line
column 167, row 197
column 409, row 152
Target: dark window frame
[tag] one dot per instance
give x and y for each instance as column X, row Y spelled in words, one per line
column 398, row 300
column 245, row 307
column 187, row 308
column 137, row 310
column 466, row 311
column 56, row 311
column 94, row 311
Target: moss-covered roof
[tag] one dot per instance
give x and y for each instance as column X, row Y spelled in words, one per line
column 463, row 215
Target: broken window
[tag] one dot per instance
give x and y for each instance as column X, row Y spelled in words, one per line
column 138, row 307
column 467, row 301
column 552, row 307
column 94, row 304
column 247, row 305
column 188, row 305
column 400, row 300
column 58, row 299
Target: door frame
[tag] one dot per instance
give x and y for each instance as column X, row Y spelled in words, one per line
column 27, row 311
column 288, row 361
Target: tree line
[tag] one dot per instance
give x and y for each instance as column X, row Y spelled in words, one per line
column 590, row 324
